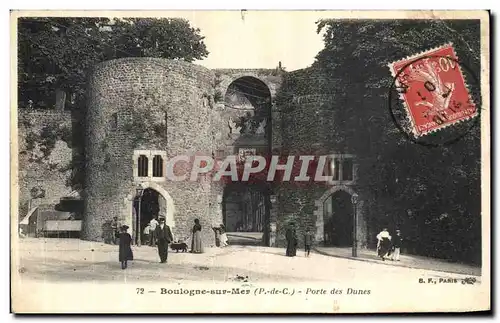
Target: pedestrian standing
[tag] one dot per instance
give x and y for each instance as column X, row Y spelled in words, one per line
column 397, row 241
column 384, row 243
column 223, row 236
column 164, row 237
column 125, row 250
column 308, row 241
column 196, row 242
column 152, row 225
column 217, row 236
column 115, row 230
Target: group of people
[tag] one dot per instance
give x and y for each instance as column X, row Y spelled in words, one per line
column 389, row 246
column 162, row 236
column 158, row 233
column 292, row 240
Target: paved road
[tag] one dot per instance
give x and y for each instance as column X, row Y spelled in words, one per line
column 72, row 259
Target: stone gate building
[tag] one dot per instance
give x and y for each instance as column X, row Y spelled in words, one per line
column 142, row 112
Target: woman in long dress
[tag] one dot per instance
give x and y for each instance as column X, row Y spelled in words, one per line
column 124, row 250
column 383, row 244
column 196, row 244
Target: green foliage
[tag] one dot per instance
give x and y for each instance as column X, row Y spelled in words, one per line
column 57, row 53
column 172, row 38
column 47, row 139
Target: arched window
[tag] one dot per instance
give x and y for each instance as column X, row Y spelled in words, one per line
column 157, row 166
column 143, row 166
column 347, row 169
column 336, row 169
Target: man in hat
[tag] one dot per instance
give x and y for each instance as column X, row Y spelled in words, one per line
column 163, row 238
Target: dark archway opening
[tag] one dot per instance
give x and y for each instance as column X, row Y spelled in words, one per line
column 246, row 206
column 338, row 220
column 245, row 213
column 149, row 208
column 248, row 93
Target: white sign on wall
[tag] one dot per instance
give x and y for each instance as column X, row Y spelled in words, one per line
column 243, row 153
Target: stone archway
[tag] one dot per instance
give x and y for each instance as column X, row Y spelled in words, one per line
column 249, row 102
column 319, row 213
column 167, row 208
column 226, row 83
column 246, row 207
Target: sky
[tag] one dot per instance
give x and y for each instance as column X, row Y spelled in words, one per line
column 257, row 39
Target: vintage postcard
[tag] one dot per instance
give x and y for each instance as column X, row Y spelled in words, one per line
column 250, row 162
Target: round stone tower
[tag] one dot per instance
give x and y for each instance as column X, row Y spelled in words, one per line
column 141, row 113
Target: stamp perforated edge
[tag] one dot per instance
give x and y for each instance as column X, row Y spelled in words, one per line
column 409, row 115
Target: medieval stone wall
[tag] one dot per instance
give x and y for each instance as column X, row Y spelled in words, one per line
column 45, row 156
column 306, row 123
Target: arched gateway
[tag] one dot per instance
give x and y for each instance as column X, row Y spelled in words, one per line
column 335, row 214
column 155, row 200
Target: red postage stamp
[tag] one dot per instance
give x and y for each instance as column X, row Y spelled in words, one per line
column 433, row 89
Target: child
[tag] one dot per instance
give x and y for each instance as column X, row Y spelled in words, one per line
column 125, row 251
column 223, row 236
column 217, row 236
column 308, row 238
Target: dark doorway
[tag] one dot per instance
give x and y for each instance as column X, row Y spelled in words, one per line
column 338, row 220
column 149, row 208
column 245, row 214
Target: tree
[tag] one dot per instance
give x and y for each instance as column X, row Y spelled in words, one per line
column 55, row 54
column 171, row 38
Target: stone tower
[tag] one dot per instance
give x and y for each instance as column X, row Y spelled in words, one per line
column 141, row 112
